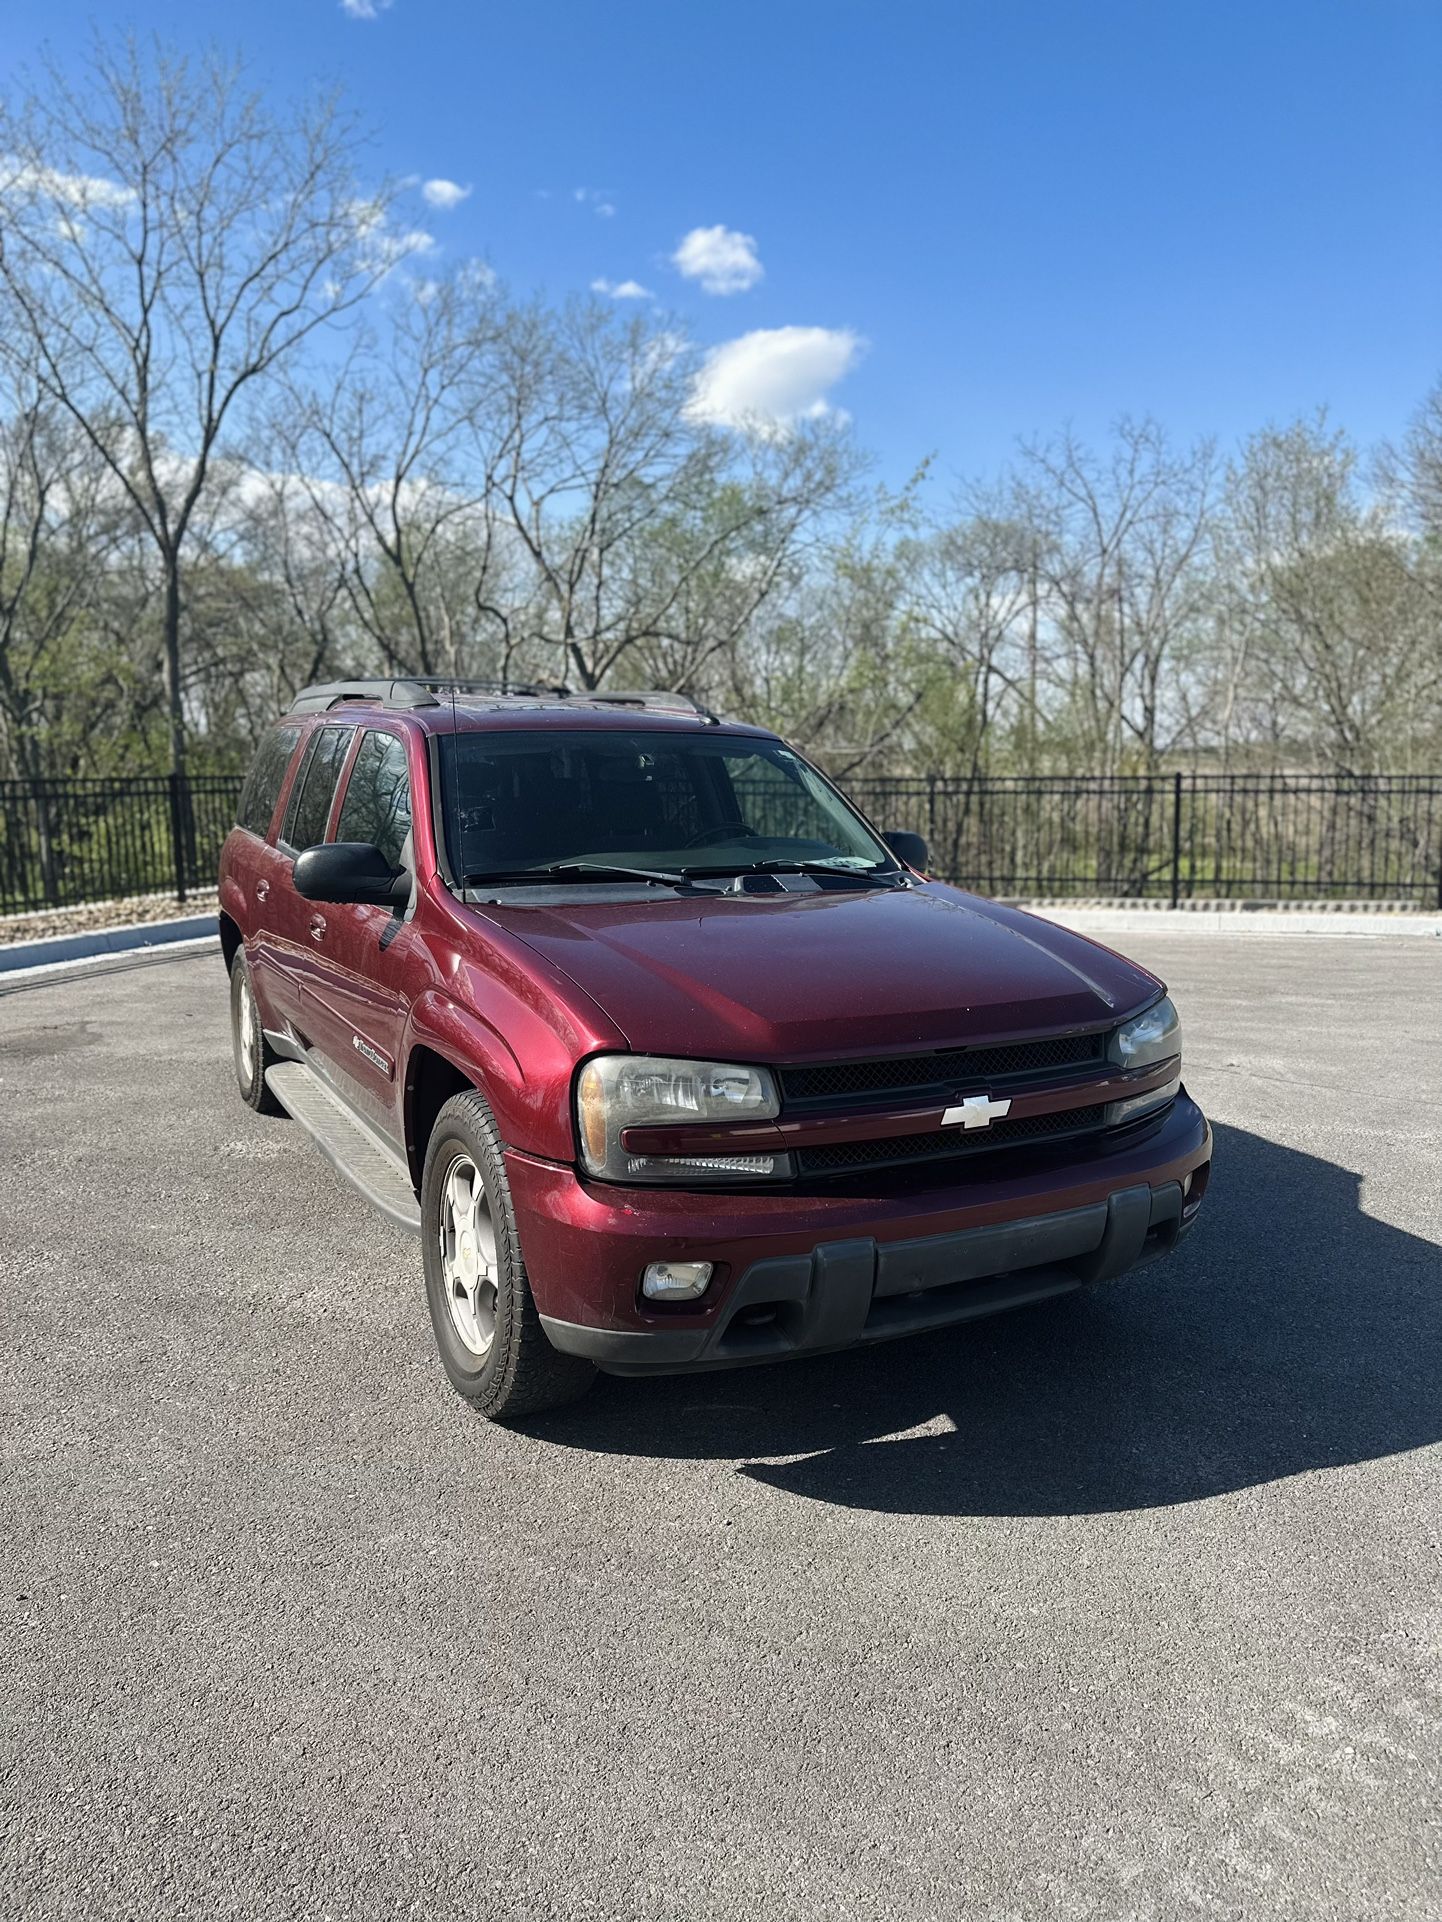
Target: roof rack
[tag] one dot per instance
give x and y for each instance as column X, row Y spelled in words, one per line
column 658, row 701
column 414, row 690
column 433, row 690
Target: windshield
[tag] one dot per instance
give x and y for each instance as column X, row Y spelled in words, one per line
column 650, row 801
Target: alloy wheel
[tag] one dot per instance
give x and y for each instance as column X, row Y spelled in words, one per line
column 469, row 1268
column 245, row 1039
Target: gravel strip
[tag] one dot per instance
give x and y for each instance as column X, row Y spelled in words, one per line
column 93, row 916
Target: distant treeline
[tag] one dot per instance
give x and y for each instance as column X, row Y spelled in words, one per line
column 250, row 439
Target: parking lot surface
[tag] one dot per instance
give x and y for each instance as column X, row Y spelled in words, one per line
column 1123, row 1608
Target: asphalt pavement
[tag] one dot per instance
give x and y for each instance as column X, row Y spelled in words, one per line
column 1127, row 1607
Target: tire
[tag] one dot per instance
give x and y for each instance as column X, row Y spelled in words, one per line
column 491, row 1341
column 248, row 1046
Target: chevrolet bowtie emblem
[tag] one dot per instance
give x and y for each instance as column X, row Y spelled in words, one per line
column 975, row 1111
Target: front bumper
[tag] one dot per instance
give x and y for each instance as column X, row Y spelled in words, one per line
column 799, row 1274
column 846, row 1293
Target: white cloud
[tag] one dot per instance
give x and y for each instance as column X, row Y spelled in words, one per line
column 724, row 261
column 389, row 249
column 621, row 289
column 364, row 9
column 768, row 380
column 597, row 199
column 444, row 194
column 79, row 191
column 366, row 216
column 381, row 246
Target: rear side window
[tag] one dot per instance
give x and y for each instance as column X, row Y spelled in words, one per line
column 314, row 788
column 377, row 804
column 265, row 780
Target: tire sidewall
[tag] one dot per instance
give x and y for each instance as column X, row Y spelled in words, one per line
column 252, row 1086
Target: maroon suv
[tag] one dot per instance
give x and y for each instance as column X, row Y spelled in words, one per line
column 671, row 1060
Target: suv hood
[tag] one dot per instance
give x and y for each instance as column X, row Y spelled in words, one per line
column 778, row 977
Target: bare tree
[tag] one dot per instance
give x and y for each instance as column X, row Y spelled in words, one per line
column 168, row 242
column 832, row 661
column 386, row 454
column 644, row 528
column 1412, row 473
column 1119, row 548
column 973, row 589
column 285, row 547
column 1343, row 639
column 698, row 580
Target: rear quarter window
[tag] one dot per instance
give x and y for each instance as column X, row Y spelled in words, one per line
column 265, row 780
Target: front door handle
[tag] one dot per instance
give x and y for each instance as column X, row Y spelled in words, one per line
column 262, row 889
column 317, row 927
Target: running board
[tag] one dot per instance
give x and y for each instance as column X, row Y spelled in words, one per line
column 356, row 1150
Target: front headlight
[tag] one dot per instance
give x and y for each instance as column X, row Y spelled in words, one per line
column 1141, row 1042
column 1155, row 1035
column 617, row 1091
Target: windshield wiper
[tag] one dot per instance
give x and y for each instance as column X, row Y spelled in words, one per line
column 868, row 877
column 584, row 870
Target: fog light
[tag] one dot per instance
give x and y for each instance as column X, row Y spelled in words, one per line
column 675, row 1280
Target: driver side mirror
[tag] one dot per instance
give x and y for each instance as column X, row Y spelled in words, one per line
column 911, row 847
column 351, row 873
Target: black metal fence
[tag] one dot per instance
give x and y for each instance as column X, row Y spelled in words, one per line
column 1170, row 837
column 1176, row 837
column 66, row 842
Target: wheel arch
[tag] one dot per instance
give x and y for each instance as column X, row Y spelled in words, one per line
column 230, row 939
column 431, row 1079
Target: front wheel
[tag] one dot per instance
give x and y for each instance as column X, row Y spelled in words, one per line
column 489, row 1334
column 249, row 1047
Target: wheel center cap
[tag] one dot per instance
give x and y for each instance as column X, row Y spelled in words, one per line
column 468, row 1254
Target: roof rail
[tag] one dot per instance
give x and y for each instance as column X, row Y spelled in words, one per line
column 324, row 694
column 413, row 690
column 657, row 700
column 445, row 683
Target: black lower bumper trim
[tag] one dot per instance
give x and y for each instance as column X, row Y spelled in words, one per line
column 845, row 1293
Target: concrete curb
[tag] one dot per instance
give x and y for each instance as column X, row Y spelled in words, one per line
column 16, row 955
column 1250, row 922
column 1128, row 904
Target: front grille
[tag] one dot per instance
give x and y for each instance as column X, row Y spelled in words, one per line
column 840, row 1155
column 944, row 1069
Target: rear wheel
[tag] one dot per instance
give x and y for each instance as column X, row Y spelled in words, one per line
column 489, row 1334
column 252, row 1053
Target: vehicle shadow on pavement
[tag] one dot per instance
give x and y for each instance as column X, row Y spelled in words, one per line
column 1290, row 1332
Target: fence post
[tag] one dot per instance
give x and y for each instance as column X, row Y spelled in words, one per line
column 1176, row 838
column 177, row 833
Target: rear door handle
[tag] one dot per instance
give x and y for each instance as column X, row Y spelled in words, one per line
column 262, row 889
column 317, row 927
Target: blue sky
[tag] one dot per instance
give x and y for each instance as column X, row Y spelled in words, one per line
column 982, row 220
